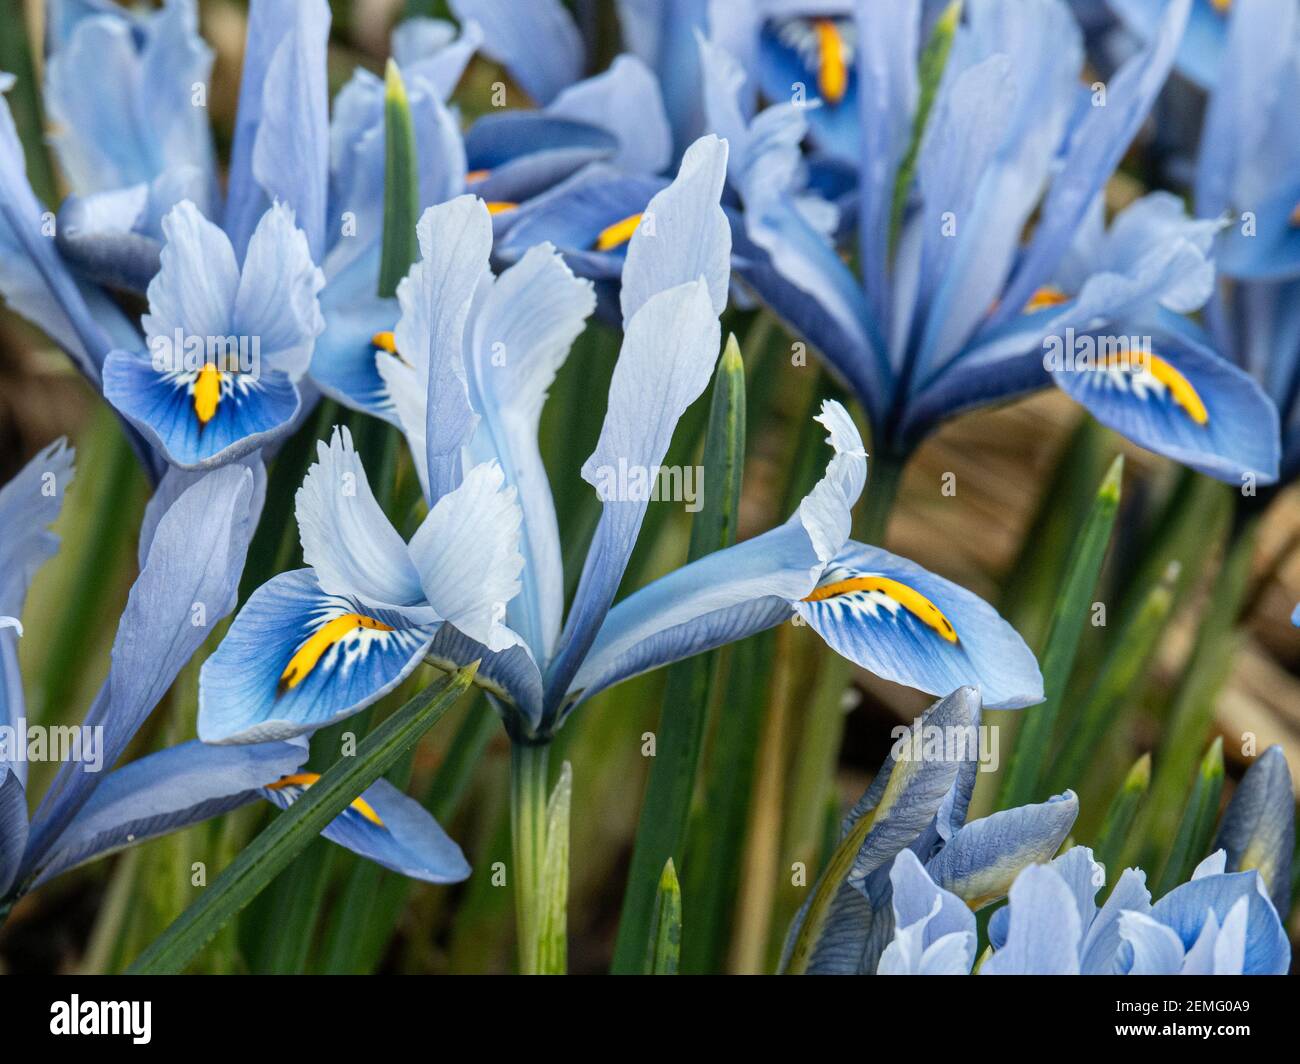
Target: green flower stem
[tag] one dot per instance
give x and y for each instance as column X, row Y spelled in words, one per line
column 528, row 828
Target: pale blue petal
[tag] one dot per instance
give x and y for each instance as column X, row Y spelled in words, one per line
column 684, row 234
column 626, row 102
column 1184, row 910
column 29, row 504
column 933, row 916
column 281, row 146
column 165, row 792
column 119, row 90
column 466, row 552
column 982, row 860
column 1225, row 426
column 1201, row 49
column 521, row 335
column 1148, row 947
column 1101, row 940
column 347, row 540
column 188, row 584
column 538, row 42
column 1097, row 143
column 276, row 300
column 1044, row 933
column 669, row 350
column 428, row 49
column 734, row 592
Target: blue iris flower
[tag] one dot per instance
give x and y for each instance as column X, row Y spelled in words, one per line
column 951, row 310
column 1249, row 174
column 216, row 371
column 918, row 803
column 474, row 357
column 922, row 871
column 192, row 546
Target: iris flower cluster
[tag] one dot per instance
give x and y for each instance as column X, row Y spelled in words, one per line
column 914, row 189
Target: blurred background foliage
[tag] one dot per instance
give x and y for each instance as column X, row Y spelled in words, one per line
column 794, row 733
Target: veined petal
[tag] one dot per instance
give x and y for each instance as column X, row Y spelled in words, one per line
column 538, row 42
column 521, row 335
column 345, row 361
column 1044, row 933
column 1148, row 947
column 297, row 659
column 1180, row 400
column 1258, row 829
column 516, row 155
column 982, row 860
column 466, row 552
column 907, row 625
column 1187, row 909
column 165, row 792
column 669, row 349
column 926, row 915
column 510, row 676
column 625, row 101
column 436, row 297
column 737, row 591
column 347, row 540
column 188, row 583
column 276, row 299
column 386, row 826
column 683, row 234
column 281, row 148
column 1102, row 939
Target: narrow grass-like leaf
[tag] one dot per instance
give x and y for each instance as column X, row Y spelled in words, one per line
column 1185, row 731
column 661, row 831
column 25, row 103
column 401, row 184
column 1199, row 816
column 288, row 833
column 1113, row 837
column 1116, row 684
column 666, row 927
column 1023, row 782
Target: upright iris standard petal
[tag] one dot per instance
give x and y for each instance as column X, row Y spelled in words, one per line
column 347, row 540
column 667, row 358
column 903, row 623
column 298, row 658
column 521, row 333
column 226, row 345
column 537, row 42
column 935, row 929
column 281, row 147
column 1258, row 829
column 1201, row 51
column 386, row 826
column 684, row 234
column 466, row 552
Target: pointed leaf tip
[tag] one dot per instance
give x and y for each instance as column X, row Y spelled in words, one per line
column 1111, row 483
